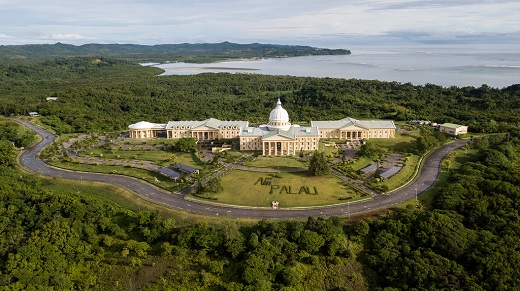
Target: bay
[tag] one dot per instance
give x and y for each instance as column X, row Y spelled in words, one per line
column 444, row 65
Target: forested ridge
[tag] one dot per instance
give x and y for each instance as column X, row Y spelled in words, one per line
column 186, row 52
column 108, row 94
column 65, row 240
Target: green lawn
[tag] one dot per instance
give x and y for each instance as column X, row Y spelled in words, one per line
column 66, row 136
column 403, row 142
column 245, row 188
column 361, row 163
column 153, row 141
column 148, row 176
column 404, row 175
column 151, row 155
column 276, row 162
column 330, row 150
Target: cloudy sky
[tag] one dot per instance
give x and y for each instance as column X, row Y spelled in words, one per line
column 331, row 23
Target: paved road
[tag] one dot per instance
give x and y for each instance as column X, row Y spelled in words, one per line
column 428, row 176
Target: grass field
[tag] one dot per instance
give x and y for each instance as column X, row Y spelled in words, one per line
column 276, row 162
column 403, row 142
column 330, row 150
column 361, row 163
column 245, row 188
column 153, row 141
column 142, row 174
column 151, row 155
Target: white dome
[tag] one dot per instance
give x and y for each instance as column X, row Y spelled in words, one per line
column 278, row 114
column 279, row 118
column 141, row 125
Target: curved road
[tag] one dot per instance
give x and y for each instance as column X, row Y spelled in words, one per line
column 427, row 177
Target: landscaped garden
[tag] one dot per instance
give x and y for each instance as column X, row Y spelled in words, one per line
column 146, row 175
column 155, row 156
column 300, row 189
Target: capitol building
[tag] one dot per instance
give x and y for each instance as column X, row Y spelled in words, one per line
column 278, row 137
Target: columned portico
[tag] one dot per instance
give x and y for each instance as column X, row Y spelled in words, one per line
column 278, row 148
column 205, row 135
column 352, row 134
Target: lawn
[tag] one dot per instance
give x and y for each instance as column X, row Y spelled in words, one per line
column 276, row 162
column 259, row 189
column 330, row 150
column 404, row 175
column 153, row 141
column 403, row 142
column 149, row 155
column 142, row 174
column 66, row 136
column 361, row 163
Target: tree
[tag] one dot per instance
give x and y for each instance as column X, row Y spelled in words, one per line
column 214, row 185
column 318, row 165
column 7, row 153
column 370, row 149
column 311, row 241
column 186, row 144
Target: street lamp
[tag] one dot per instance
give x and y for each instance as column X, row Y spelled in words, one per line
column 348, row 209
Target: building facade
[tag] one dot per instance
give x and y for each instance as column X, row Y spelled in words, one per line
column 353, row 129
column 206, row 130
column 453, row 129
column 277, row 138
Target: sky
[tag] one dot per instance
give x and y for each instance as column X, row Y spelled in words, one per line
column 322, row 23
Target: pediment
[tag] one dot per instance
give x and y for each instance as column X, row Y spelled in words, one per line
column 205, row 128
column 352, row 127
column 278, row 137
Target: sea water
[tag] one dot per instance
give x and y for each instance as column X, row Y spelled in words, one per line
column 444, row 65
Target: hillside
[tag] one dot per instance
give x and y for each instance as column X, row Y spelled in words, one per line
column 201, row 52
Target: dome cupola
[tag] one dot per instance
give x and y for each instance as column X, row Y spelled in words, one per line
column 279, row 118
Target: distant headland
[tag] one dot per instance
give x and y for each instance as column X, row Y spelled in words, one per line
column 185, row 52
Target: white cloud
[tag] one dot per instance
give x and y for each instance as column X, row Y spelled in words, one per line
column 162, row 21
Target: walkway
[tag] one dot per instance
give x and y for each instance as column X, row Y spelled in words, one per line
column 426, row 179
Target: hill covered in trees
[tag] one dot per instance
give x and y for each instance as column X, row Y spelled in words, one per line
column 186, row 52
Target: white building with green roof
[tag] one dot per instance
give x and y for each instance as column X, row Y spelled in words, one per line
column 279, row 137
column 453, row 129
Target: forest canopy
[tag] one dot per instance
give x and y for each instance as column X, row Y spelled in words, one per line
column 106, row 94
column 185, row 52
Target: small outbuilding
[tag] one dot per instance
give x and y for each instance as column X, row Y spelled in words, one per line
column 185, row 169
column 453, row 129
column 169, row 173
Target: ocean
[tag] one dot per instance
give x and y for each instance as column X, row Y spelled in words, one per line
column 444, row 65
